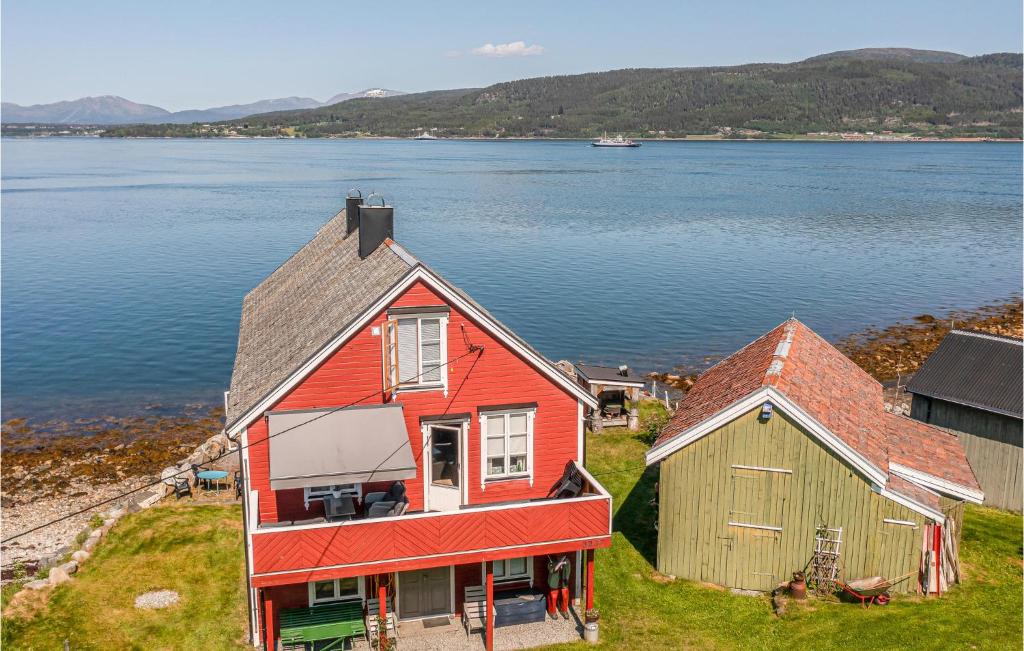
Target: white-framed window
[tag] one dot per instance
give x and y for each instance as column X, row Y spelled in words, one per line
column 321, row 592
column 311, row 493
column 509, row 570
column 507, row 443
column 415, row 350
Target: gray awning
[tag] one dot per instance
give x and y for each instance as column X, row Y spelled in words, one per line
column 348, row 446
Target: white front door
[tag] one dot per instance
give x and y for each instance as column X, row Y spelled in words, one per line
column 443, row 469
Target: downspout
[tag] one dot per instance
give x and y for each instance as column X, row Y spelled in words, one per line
column 245, row 545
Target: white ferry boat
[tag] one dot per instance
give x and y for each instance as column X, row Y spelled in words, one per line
column 617, row 141
column 424, row 135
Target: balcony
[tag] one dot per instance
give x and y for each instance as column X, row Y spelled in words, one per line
column 301, row 553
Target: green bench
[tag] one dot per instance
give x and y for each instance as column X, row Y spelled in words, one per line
column 337, row 622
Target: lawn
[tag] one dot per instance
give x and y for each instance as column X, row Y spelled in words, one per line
column 197, row 551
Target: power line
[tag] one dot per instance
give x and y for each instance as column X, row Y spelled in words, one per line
column 472, row 350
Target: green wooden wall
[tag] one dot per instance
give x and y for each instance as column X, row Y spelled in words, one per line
column 993, row 444
column 705, row 499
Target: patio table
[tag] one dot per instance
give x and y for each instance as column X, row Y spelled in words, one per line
column 336, row 622
column 212, row 476
column 339, row 508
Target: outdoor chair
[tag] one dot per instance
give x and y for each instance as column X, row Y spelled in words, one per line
column 382, row 504
column 474, row 609
column 570, row 484
column 182, row 488
column 396, row 493
column 385, row 509
column 612, row 410
column 195, row 474
column 372, row 613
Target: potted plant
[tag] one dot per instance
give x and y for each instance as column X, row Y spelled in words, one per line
column 590, row 617
column 383, row 642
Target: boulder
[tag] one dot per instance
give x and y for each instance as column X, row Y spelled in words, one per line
column 93, row 540
column 116, row 514
column 80, row 556
column 38, row 584
column 148, row 498
column 167, row 475
column 58, row 576
column 70, row 567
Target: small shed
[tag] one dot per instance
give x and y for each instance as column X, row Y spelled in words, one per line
column 613, row 386
column 973, row 385
column 782, row 458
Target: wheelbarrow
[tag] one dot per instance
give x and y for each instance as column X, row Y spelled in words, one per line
column 871, row 590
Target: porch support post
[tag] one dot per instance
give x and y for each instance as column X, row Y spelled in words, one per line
column 269, row 618
column 633, row 421
column 382, row 597
column 490, row 606
column 590, row 579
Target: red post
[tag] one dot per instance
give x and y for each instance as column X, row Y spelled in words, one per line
column 269, row 620
column 382, row 597
column 590, row 579
column 489, row 606
column 938, row 560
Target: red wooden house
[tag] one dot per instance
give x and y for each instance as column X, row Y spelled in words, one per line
column 399, row 441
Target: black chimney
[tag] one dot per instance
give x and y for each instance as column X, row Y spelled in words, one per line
column 352, row 201
column 376, row 224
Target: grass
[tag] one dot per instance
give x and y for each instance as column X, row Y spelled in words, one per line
column 197, row 551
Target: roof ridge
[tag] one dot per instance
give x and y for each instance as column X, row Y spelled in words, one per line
column 988, row 335
column 774, row 370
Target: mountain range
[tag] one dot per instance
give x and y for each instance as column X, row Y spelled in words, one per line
column 110, row 109
column 882, row 90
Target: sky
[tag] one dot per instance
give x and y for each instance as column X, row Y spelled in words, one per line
column 187, row 54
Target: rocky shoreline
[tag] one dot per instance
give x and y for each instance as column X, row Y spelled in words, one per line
column 56, row 468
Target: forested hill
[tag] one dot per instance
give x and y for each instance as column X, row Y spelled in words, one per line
column 927, row 93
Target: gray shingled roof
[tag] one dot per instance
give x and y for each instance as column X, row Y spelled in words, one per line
column 304, row 304
column 606, row 373
column 974, row 369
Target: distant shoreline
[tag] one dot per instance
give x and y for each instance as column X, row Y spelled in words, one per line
column 536, row 138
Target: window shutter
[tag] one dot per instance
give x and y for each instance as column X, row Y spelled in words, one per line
column 390, row 344
column 408, row 344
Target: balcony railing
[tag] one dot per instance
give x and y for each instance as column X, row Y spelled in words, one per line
column 476, row 533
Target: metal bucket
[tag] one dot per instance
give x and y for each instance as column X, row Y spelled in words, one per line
column 590, row 632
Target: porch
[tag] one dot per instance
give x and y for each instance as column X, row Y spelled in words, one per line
column 438, row 607
column 618, row 394
column 416, row 636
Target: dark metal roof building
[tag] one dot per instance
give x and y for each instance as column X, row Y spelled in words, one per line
column 975, row 369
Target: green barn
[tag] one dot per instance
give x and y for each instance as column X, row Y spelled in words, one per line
column 783, row 458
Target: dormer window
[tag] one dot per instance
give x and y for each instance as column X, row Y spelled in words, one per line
column 415, row 350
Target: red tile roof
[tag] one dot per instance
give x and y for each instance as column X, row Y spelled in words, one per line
column 829, row 387
column 910, row 490
column 928, row 449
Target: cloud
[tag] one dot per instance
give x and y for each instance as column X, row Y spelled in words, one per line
column 514, row 49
